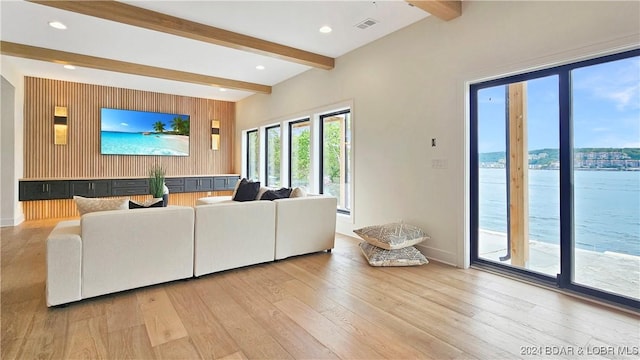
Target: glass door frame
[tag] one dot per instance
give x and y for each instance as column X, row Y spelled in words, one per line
column 563, row 280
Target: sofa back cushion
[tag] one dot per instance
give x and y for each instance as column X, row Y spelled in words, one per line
column 126, row 249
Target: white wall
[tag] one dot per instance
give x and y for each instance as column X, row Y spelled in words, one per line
column 11, row 148
column 411, row 86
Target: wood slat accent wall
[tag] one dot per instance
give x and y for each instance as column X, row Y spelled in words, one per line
column 54, row 209
column 81, row 158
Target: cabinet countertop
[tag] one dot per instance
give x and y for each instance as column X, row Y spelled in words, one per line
column 121, row 177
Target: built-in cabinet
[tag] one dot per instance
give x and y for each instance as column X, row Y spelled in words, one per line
column 43, row 190
column 66, row 189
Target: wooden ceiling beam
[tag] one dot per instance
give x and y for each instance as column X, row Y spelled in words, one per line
column 442, row 9
column 62, row 57
column 148, row 19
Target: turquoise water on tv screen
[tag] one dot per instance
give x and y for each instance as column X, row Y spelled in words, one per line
column 122, row 143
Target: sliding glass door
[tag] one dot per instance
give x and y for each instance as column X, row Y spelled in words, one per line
column 518, row 180
column 606, row 145
column 555, row 176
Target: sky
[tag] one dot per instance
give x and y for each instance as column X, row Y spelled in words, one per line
column 605, row 111
column 134, row 121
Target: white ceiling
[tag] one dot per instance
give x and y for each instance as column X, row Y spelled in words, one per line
column 291, row 23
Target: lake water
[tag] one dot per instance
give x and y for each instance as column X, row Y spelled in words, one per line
column 139, row 144
column 607, row 207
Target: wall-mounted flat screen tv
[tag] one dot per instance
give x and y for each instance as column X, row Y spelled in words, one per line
column 132, row 132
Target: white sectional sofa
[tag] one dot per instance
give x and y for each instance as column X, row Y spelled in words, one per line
column 111, row 251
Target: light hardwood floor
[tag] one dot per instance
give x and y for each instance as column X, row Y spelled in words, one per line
column 321, row 306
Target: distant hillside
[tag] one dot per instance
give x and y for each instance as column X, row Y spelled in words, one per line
column 553, row 154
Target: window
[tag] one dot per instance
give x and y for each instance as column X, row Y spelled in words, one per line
column 312, row 152
column 552, row 197
column 300, row 153
column 335, row 166
column 253, row 155
column 272, row 156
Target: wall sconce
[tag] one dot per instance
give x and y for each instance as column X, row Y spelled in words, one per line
column 215, row 134
column 60, row 125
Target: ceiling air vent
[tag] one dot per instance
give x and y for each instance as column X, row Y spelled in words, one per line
column 366, row 23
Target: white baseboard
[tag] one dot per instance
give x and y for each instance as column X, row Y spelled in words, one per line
column 6, row 222
column 438, row 255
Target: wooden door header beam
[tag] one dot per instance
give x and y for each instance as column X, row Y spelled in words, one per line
column 443, row 9
column 62, row 57
column 148, row 19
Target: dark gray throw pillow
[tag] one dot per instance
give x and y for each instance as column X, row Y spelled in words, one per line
column 281, row 193
column 146, row 204
column 247, row 190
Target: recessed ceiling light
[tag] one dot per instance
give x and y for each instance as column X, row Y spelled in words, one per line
column 69, row 67
column 325, row 29
column 57, row 25
column 223, row 89
column 260, row 67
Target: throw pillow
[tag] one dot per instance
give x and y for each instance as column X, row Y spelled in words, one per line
column 392, row 236
column 87, row 205
column 281, row 193
column 153, row 202
column 247, row 190
column 408, row 256
column 298, row 192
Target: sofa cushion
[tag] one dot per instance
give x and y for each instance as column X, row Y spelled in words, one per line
column 214, row 200
column 298, row 192
column 392, row 236
column 408, row 256
column 247, row 190
column 281, row 193
column 153, row 202
column 88, row 205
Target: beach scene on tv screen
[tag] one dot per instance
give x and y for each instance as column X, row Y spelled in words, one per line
column 130, row 132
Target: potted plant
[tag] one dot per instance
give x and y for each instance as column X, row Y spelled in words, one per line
column 156, row 183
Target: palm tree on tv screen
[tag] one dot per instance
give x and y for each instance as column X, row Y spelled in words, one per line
column 158, row 126
column 180, row 126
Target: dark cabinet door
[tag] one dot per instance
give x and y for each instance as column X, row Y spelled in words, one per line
column 206, row 184
column 191, row 184
column 219, row 183
column 175, row 185
column 122, row 187
column 232, row 181
column 80, row 188
column 101, row 188
column 58, row 189
column 90, row 188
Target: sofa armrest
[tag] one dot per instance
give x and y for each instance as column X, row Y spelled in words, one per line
column 64, row 263
column 305, row 225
